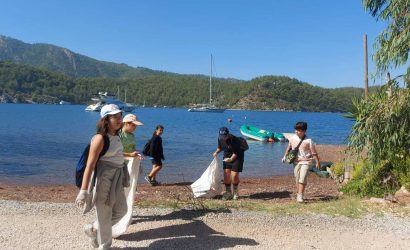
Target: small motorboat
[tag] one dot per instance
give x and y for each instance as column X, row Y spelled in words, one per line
column 260, row 134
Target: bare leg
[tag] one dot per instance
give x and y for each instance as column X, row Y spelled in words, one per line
column 227, row 176
column 227, row 180
column 154, row 171
column 301, row 188
column 235, row 177
column 235, row 183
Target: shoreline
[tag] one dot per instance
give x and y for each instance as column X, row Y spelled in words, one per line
column 259, row 188
column 264, row 189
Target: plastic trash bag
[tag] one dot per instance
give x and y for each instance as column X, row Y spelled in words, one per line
column 134, row 166
column 209, row 184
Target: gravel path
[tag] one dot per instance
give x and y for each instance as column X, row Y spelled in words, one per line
column 41, row 225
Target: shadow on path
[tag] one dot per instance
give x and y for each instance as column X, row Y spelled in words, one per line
column 269, row 195
column 192, row 235
column 184, row 214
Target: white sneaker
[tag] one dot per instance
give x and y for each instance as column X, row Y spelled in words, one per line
column 235, row 196
column 92, row 234
column 299, row 198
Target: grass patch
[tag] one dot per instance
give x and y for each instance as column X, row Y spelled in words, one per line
column 348, row 206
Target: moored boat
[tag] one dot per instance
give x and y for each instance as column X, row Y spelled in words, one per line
column 211, row 108
column 105, row 98
column 64, row 103
column 260, row 134
column 206, row 108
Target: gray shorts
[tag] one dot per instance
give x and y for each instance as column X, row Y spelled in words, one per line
column 301, row 171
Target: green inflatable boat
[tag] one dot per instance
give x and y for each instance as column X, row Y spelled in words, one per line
column 258, row 134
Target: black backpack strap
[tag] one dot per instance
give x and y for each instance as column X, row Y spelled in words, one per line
column 106, row 146
column 297, row 147
column 103, row 151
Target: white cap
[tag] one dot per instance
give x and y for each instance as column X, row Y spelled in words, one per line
column 109, row 109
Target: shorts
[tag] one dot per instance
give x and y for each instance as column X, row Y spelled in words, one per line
column 301, row 171
column 236, row 166
column 157, row 162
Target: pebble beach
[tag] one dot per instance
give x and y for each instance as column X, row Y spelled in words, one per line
column 45, row 217
column 44, row 225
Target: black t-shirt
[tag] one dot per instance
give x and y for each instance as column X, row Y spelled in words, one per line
column 229, row 144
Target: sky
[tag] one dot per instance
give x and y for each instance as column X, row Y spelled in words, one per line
column 319, row 42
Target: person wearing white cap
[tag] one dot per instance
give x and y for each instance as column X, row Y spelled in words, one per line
column 108, row 197
column 129, row 124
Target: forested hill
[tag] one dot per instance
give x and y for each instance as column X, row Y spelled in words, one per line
column 57, row 59
column 26, row 84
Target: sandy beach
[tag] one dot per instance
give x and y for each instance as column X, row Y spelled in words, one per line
column 45, row 217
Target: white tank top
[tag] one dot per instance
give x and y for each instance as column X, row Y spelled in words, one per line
column 114, row 153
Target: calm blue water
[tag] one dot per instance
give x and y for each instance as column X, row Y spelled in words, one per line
column 40, row 144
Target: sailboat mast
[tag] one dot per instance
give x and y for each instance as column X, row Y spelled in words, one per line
column 210, row 84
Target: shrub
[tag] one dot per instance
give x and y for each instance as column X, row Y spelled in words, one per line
column 338, row 171
column 382, row 131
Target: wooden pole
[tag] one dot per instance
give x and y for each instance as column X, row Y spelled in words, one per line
column 366, row 80
column 210, row 84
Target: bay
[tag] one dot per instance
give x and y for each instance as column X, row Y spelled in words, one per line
column 41, row 144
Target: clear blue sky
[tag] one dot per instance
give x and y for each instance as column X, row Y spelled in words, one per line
column 319, row 42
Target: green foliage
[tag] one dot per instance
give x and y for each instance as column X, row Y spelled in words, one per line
column 150, row 86
column 365, row 181
column 338, row 170
column 382, row 131
column 393, row 44
column 268, row 92
column 382, row 127
column 382, row 124
column 402, row 171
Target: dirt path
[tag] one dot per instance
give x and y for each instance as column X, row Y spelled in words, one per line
column 25, row 225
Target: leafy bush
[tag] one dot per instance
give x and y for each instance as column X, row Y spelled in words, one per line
column 365, row 182
column 382, row 131
column 338, row 170
column 402, row 171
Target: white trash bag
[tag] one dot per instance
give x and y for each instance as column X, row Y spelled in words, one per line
column 134, row 166
column 209, row 184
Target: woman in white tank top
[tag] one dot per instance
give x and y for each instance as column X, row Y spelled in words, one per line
column 109, row 198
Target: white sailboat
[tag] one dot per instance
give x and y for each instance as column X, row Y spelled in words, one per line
column 207, row 107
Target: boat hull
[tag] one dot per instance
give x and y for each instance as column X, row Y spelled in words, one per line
column 260, row 134
column 258, row 138
column 206, row 109
column 104, row 99
column 255, row 133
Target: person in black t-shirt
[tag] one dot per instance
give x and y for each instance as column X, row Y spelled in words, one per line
column 233, row 158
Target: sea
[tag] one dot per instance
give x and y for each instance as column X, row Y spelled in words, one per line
column 41, row 144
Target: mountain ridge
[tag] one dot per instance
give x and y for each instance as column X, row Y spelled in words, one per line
column 47, row 73
column 62, row 60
